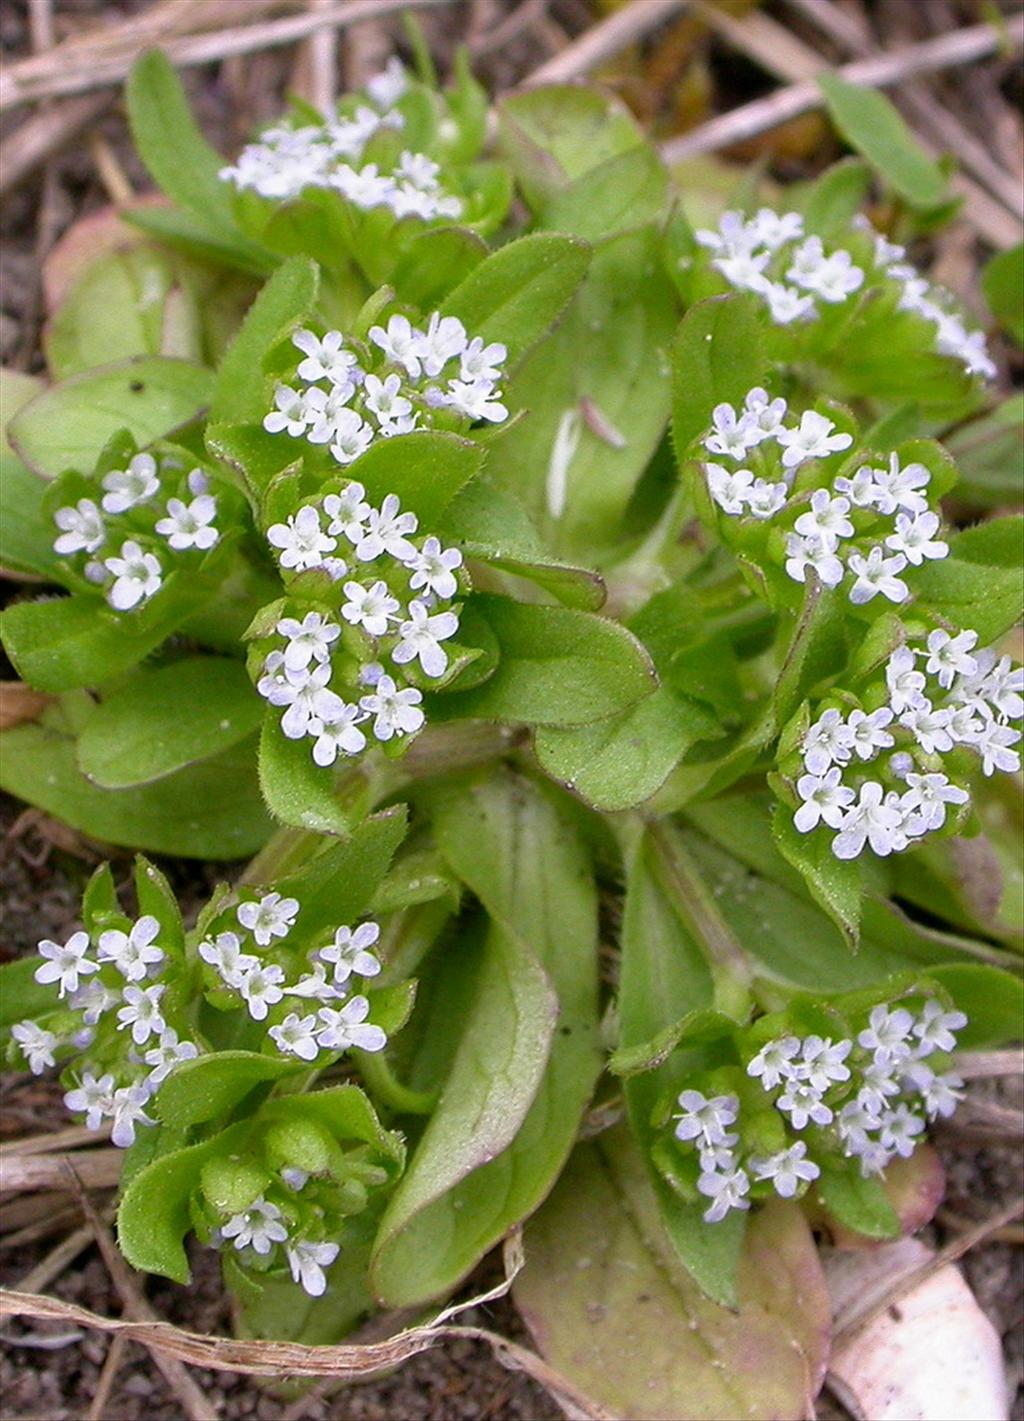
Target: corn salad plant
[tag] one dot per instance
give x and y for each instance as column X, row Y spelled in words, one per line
column 556, row 592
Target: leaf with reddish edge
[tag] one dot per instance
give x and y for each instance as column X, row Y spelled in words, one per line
column 914, row 1188
column 611, row 1308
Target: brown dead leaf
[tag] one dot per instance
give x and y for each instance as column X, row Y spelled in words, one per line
column 19, row 703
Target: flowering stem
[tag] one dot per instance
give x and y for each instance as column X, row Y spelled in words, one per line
column 381, row 1080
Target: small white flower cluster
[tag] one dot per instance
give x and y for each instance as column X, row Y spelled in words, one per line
column 138, row 541
column 851, row 508
column 329, row 155
column 346, row 407
column 116, row 990
column 869, row 1100
column 916, row 294
column 259, row 979
column 396, row 599
column 973, row 696
column 261, row 1227
column 770, row 256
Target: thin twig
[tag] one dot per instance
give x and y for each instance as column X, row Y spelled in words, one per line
column 981, row 1065
column 944, row 52
column 605, row 40
column 53, row 1141
column 111, row 1366
column 98, row 1169
column 53, row 1264
column 48, row 76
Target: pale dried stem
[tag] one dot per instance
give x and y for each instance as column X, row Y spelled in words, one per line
column 53, row 1264
column 365, row 52
column 48, row 76
column 67, row 1139
column 97, row 1169
column 981, row 1065
column 604, row 41
column 523, row 17
column 318, row 64
column 945, row 51
column 111, row 1366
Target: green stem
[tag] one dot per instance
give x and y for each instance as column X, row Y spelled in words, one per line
column 381, row 1081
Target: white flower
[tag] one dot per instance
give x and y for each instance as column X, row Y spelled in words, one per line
column 261, row 989
column 307, row 1262
column 337, row 734
column 829, row 740
column 928, row 796
column 887, row 1031
column 898, row 1130
column 226, row 957
column 371, row 608
column 726, row 1192
column 93, row 1000
column 326, row 358
column 352, row 437
column 732, row 433
column 765, row 499
column 803, row 553
column 994, row 743
column 315, row 984
column 861, row 490
column 914, row 537
column 1002, row 686
column 141, row 1012
column 877, row 573
column 967, row 724
column 730, row 489
column 765, row 415
column 941, row 1094
column 167, row 1054
column 396, row 712
column 82, row 529
column 822, row 1062
column 854, row 1123
column 36, row 1044
column 837, row 278
column 825, row 800
column 92, row 1098
column 776, row 229
column 189, row 525
column 296, row 1036
column 271, row 917
column 811, row 439
column 308, row 640
column 826, row 519
column 367, row 187
column 930, row 728
column 802, row 1102
column 348, row 1026
column 744, row 270
column 787, row 1169
column 479, row 400
column 64, row 964
column 806, row 261
column 387, row 87
column 292, row 412
column 786, row 304
column 308, row 699
column 871, row 821
column 705, row 1119
column 400, row 342
column 350, row 952
column 348, row 512
column 868, row 733
column 900, row 488
column 444, row 339
column 480, row 362
column 128, row 487
column 387, row 531
column 383, row 398
column 734, row 234
column 137, row 576
column 295, row 1179
column 259, row 1227
column 433, row 568
column 330, row 413
column 714, row 1158
column 302, row 542
column 128, row 1110
column 906, row 684
column 935, row 1028
column 420, row 637
column 950, row 656
column 135, row 952
column 773, row 1063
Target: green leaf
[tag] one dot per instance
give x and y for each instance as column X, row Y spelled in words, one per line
column 67, row 426
column 990, row 456
column 1002, row 283
column 596, row 394
column 197, row 237
column 156, row 898
column 280, row 308
column 611, row 1310
column 622, row 193
column 620, row 762
column 201, row 1089
column 815, row 648
column 434, row 263
column 856, row 1203
column 343, row 1110
column 834, row 199
column 295, row 788
column 717, row 357
column 833, row 884
column 557, row 667
column 211, row 810
column 554, row 134
column 154, row 1215
column 77, row 641
column 426, row 469
column 695, row 1028
column 873, row 126
column 519, row 291
column 981, row 584
column 519, row 1082
column 26, row 533
column 163, row 719
column 21, row 996
column 993, row 1002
